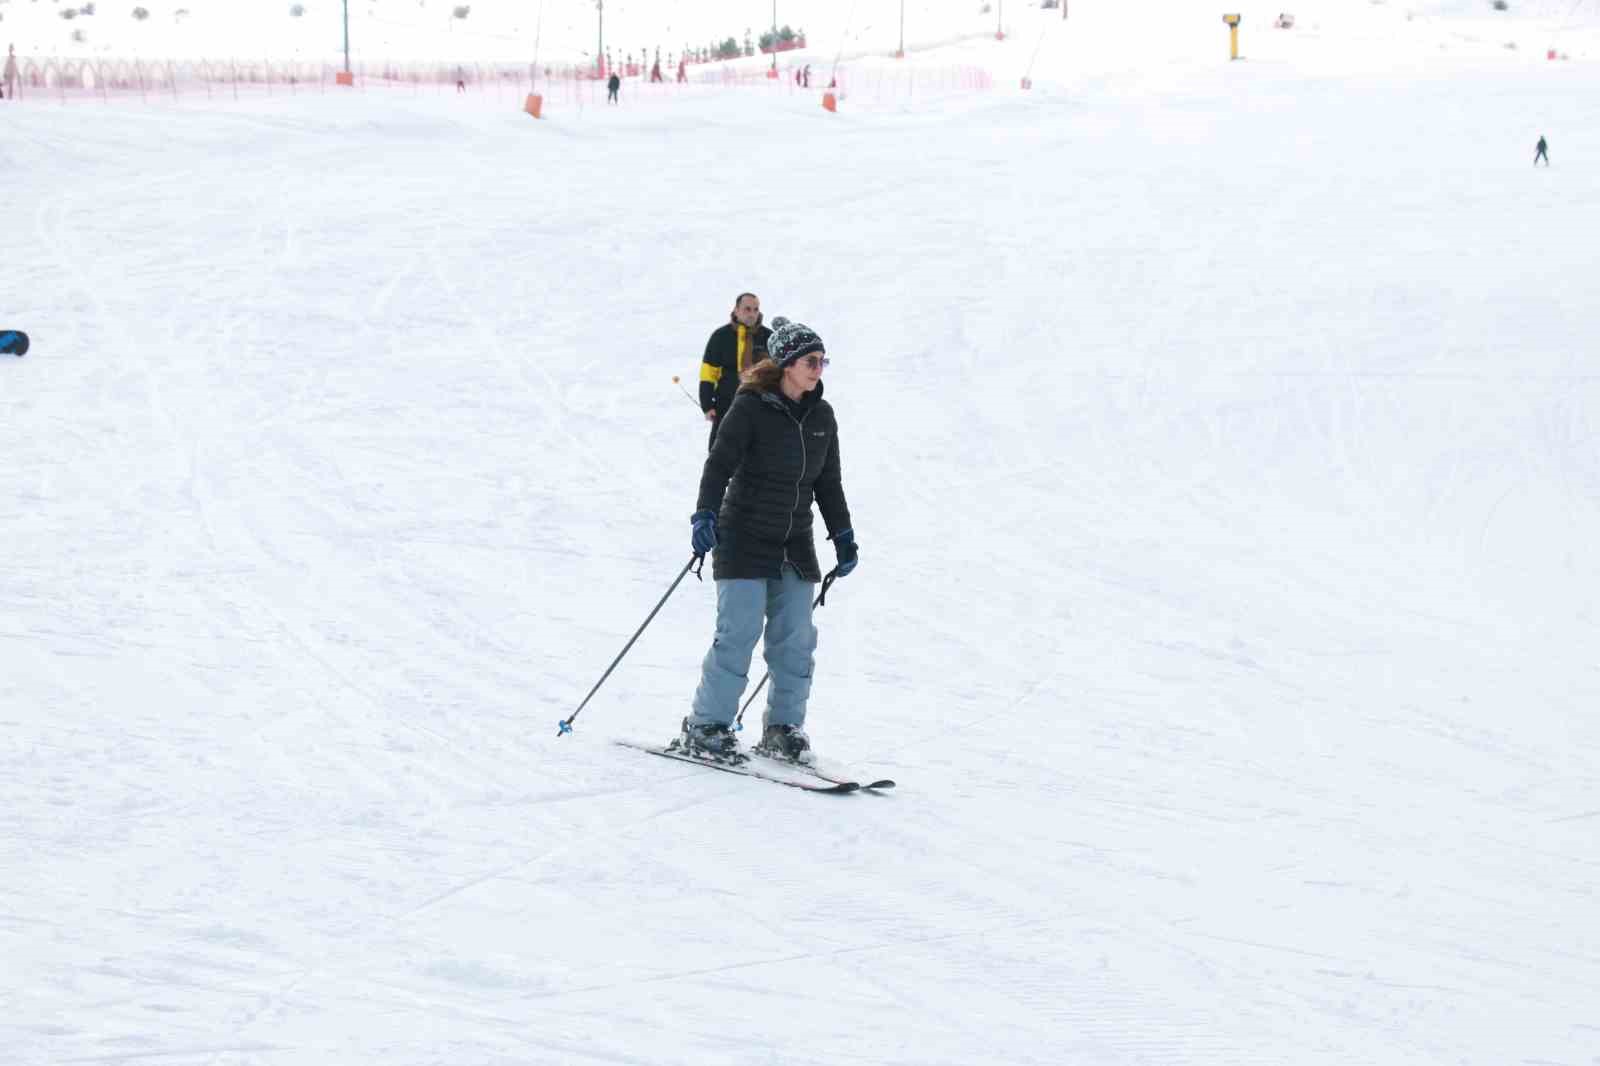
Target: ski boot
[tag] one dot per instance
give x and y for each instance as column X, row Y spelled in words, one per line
column 787, row 742
column 712, row 741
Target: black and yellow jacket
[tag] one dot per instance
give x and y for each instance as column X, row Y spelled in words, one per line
column 728, row 351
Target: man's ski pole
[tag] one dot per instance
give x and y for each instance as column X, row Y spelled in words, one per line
column 685, row 391
column 565, row 726
column 738, row 723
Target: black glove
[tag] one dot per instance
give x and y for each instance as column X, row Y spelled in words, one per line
column 844, row 548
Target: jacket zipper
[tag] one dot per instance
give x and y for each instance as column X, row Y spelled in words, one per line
column 800, row 425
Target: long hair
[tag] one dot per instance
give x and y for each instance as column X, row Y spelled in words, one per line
column 762, row 376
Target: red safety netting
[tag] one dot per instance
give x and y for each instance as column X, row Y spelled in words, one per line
column 89, row 80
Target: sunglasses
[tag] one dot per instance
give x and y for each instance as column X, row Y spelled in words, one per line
column 815, row 362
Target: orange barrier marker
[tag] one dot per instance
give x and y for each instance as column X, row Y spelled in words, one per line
column 344, row 77
column 830, row 103
column 534, row 105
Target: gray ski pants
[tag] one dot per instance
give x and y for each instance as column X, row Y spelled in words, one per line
column 784, row 604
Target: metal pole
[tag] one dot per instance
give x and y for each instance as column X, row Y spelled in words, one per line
column 600, row 54
column 538, row 31
column 565, row 725
column 902, row 28
column 347, row 36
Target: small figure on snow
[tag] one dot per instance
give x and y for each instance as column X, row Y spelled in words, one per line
column 655, row 72
column 461, row 80
column 730, row 351
column 1541, row 151
column 805, row 77
column 765, row 561
column 613, row 86
column 11, row 74
column 683, row 70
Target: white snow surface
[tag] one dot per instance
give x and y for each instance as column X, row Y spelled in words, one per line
column 1223, row 441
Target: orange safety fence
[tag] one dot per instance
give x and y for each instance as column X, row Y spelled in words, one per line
column 561, row 87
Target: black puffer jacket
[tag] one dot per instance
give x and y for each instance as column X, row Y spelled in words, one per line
column 779, row 454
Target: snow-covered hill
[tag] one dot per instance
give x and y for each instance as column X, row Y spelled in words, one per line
column 1221, row 440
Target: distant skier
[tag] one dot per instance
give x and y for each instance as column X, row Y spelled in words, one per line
column 805, row 77
column 730, row 350
column 683, row 71
column 11, row 74
column 779, row 447
column 1541, row 151
column 613, row 86
column 461, row 80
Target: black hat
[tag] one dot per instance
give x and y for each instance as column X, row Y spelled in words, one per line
column 790, row 341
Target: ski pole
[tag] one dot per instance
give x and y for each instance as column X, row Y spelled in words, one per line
column 685, row 392
column 738, row 723
column 565, row 726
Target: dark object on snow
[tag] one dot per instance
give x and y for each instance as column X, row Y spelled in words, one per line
column 785, row 742
column 744, row 765
column 13, row 342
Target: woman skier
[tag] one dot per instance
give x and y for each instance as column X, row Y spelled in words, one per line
column 776, row 450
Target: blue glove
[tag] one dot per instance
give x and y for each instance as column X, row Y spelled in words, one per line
column 844, row 548
column 703, row 531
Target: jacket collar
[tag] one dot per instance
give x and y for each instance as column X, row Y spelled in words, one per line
column 777, row 399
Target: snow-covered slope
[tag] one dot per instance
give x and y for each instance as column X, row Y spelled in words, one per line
column 1221, row 440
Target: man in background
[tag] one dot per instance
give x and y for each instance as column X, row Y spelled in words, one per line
column 729, row 352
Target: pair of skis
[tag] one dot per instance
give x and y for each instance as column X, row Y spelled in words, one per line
column 810, row 777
